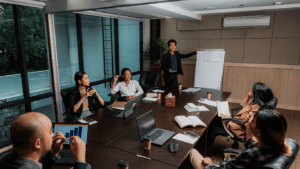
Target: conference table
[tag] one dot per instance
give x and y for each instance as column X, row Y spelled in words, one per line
column 113, row 139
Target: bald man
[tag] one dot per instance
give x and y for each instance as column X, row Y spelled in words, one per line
column 36, row 147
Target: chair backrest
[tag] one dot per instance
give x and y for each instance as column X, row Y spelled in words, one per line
column 64, row 94
column 283, row 161
column 148, row 80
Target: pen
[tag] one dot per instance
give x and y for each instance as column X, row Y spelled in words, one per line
column 143, row 157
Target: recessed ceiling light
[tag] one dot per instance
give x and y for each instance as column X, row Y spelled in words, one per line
column 277, row 3
column 210, row 7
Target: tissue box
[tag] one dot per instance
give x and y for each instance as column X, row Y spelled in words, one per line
column 170, row 101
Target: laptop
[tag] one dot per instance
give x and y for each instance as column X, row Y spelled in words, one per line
column 128, row 110
column 80, row 130
column 146, row 126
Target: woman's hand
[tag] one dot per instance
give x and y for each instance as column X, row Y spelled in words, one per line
column 88, row 93
column 130, row 97
column 116, row 78
column 249, row 119
column 225, row 116
column 206, row 161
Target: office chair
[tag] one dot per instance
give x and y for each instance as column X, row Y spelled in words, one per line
column 148, row 80
column 117, row 96
column 225, row 132
column 71, row 117
column 279, row 162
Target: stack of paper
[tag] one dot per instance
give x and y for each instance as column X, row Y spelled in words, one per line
column 185, row 138
column 151, row 95
column 150, row 99
column 208, row 102
column 191, row 107
column 158, row 91
column 191, row 90
column 92, row 122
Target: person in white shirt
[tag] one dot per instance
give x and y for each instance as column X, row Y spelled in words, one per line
column 128, row 88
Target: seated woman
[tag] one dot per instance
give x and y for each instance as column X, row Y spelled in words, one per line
column 269, row 127
column 83, row 99
column 128, row 88
column 259, row 96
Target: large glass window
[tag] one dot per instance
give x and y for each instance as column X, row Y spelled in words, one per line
column 35, row 50
column 67, row 48
column 44, row 106
column 10, row 71
column 129, row 45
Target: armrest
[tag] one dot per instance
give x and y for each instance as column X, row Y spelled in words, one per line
column 72, row 116
column 230, row 152
column 226, row 120
column 234, row 110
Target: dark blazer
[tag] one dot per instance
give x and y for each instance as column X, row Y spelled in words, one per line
column 73, row 98
column 16, row 161
column 166, row 62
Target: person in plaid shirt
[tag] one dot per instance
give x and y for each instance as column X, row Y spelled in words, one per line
column 265, row 131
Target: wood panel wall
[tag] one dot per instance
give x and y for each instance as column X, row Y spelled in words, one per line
column 238, row 78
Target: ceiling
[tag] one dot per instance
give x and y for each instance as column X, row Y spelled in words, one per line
column 194, row 9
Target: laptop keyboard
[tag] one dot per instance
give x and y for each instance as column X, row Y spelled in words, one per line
column 156, row 134
column 66, row 153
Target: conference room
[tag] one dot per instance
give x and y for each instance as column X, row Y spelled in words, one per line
column 234, row 45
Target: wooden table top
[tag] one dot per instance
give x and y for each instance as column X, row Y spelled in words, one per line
column 113, row 139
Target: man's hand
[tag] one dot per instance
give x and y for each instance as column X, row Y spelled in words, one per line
column 170, row 71
column 207, row 161
column 57, row 144
column 197, row 49
column 130, row 97
column 77, row 148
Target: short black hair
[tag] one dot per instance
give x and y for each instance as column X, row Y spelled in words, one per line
column 172, row 40
column 123, row 71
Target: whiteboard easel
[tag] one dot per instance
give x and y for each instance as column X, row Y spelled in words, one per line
column 209, row 68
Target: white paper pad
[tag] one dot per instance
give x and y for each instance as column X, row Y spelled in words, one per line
column 119, row 108
column 198, row 108
column 208, row 102
column 158, row 91
column 150, row 99
column 151, row 95
column 83, row 121
column 191, row 90
column 185, row 138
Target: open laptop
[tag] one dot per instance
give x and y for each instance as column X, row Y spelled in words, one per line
column 146, row 126
column 128, row 110
column 80, row 130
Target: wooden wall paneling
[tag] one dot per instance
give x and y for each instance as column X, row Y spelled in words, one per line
column 187, row 35
column 296, row 87
column 206, row 34
column 187, row 46
column 187, row 79
column 285, row 51
column 287, row 24
column 210, row 22
column 224, row 80
column 264, row 32
column 234, row 50
column 275, row 84
column 257, row 51
column 168, row 29
column 291, row 94
column 187, row 25
column 233, row 33
column 209, row 43
column 283, row 87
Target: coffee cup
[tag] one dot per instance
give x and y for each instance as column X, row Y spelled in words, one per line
column 208, row 95
column 158, row 95
column 147, row 143
column 180, row 86
column 123, row 164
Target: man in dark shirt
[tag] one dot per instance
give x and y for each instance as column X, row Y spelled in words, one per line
column 36, row 147
column 171, row 64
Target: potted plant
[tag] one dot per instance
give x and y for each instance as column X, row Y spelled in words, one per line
column 157, row 51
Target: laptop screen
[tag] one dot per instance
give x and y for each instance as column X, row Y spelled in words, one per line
column 146, row 123
column 80, row 130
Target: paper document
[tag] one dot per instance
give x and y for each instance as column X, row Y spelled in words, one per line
column 185, row 138
column 195, row 108
column 208, row 102
column 150, row 99
column 151, row 95
column 83, row 121
column 158, row 91
column 119, row 108
column 191, row 90
column 223, row 109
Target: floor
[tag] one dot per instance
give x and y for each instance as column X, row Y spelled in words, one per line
column 293, row 132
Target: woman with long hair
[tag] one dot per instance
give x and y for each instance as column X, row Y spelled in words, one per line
column 84, row 100
column 258, row 98
column 269, row 128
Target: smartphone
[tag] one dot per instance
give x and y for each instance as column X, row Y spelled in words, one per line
column 90, row 88
column 191, row 134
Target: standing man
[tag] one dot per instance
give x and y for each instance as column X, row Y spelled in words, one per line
column 171, row 64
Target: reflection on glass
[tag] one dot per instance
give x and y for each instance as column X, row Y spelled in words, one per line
column 44, row 106
column 67, row 48
column 10, row 77
column 35, row 50
column 6, row 117
column 136, row 77
column 103, row 92
column 129, row 45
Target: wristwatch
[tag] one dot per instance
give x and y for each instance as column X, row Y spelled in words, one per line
column 57, row 156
